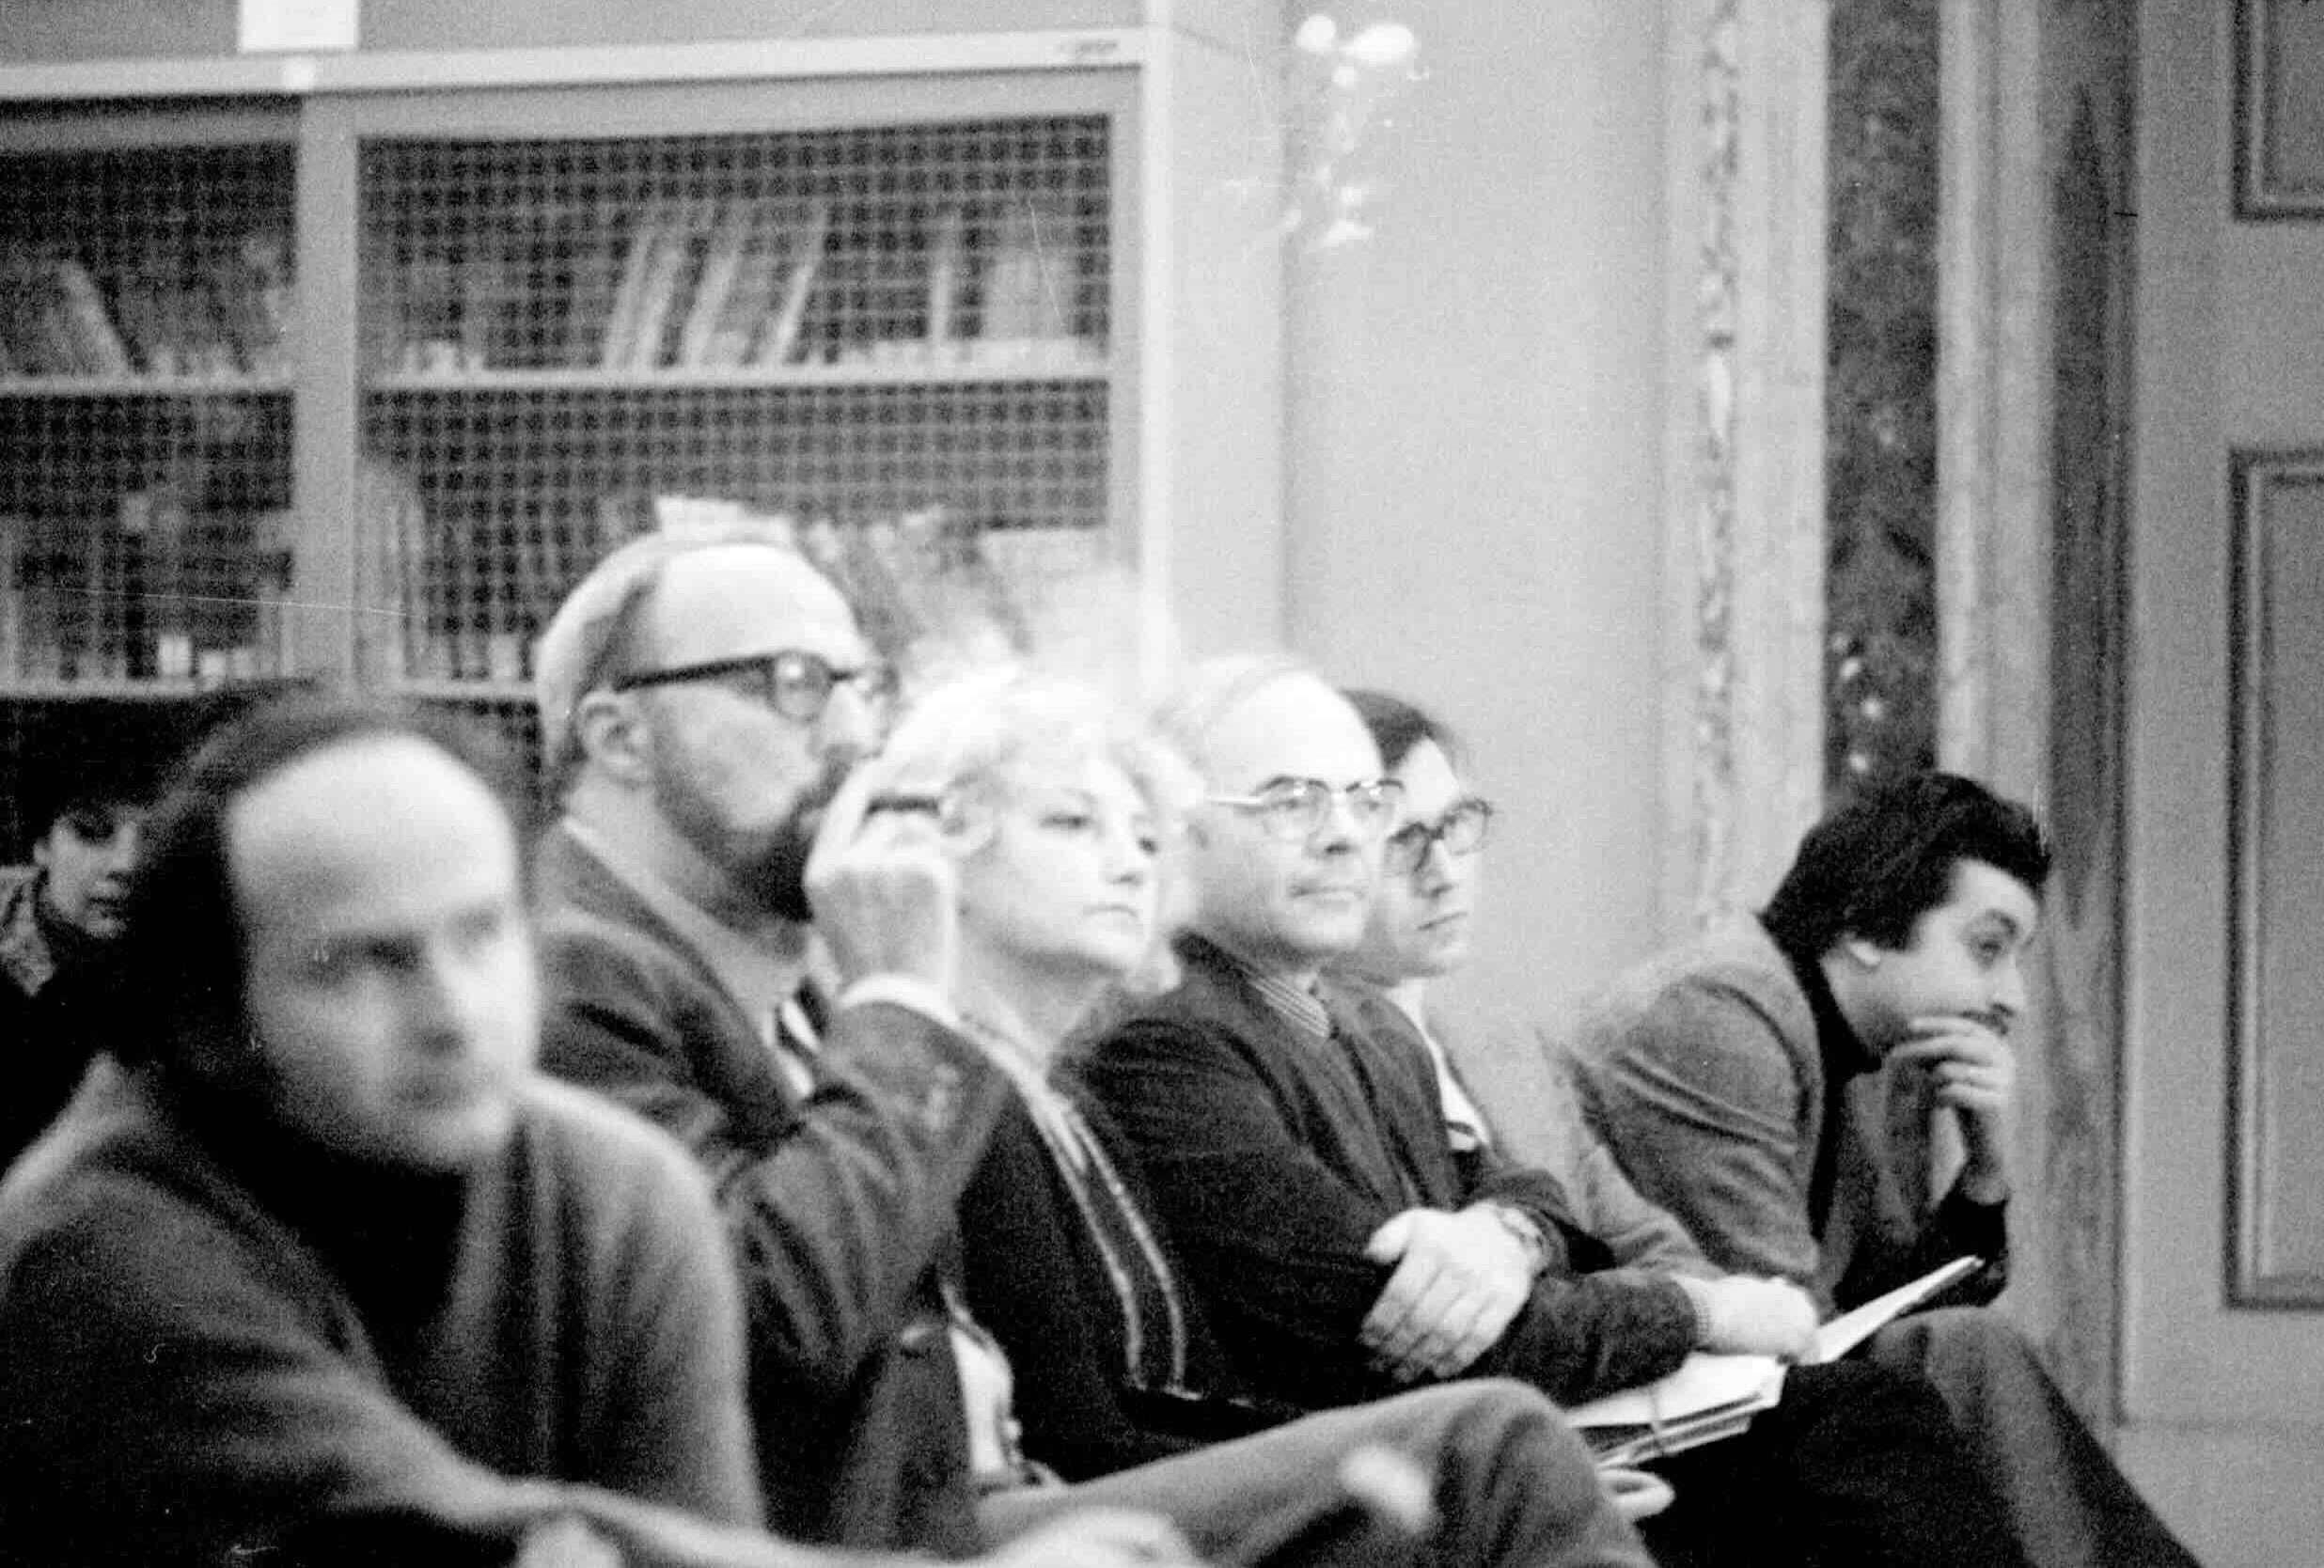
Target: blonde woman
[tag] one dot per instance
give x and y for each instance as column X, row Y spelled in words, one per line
column 1057, row 815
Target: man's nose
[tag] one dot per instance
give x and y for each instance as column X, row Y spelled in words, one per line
column 849, row 721
column 444, row 992
column 121, row 849
column 2009, row 990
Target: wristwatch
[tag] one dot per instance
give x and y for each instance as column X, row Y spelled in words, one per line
column 1524, row 1228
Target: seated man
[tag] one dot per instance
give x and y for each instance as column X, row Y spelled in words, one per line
column 56, row 918
column 1295, row 1141
column 321, row 1270
column 1719, row 1071
column 703, row 699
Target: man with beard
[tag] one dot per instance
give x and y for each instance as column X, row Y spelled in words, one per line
column 703, row 699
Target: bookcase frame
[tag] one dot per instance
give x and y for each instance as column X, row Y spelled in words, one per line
column 1190, row 372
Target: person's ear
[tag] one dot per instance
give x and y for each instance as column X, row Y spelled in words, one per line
column 1865, row 953
column 612, row 731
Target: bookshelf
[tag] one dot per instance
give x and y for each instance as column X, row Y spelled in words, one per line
column 372, row 375
column 146, row 408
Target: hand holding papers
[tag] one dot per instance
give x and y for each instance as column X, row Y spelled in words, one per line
column 1710, row 1397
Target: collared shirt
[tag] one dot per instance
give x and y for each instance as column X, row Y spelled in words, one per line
column 1465, row 1126
column 1296, row 1004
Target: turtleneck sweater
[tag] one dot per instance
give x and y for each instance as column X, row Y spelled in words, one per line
column 218, row 1341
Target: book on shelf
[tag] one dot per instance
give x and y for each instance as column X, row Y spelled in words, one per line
column 96, row 345
column 1029, row 272
column 676, row 263
column 750, row 293
column 723, row 252
column 1712, row 1395
column 778, row 339
column 948, row 268
column 590, row 249
column 615, row 343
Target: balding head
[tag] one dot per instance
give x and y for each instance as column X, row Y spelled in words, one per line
column 608, row 624
column 1284, row 888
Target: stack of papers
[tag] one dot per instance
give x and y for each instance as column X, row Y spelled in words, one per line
column 1710, row 1397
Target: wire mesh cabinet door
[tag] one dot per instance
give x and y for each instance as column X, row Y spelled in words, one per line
column 148, row 351
column 882, row 320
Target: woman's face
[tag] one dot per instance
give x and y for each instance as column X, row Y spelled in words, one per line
column 1065, row 880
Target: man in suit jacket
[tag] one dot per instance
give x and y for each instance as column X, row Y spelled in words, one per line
column 1294, row 1139
column 703, row 701
column 1730, row 1075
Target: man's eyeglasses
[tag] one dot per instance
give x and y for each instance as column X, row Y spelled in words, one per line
column 1292, row 808
column 794, row 684
column 1460, row 830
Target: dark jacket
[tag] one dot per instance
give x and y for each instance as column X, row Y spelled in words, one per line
column 841, row 1208
column 1273, row 1157
column 46, row 1033
column 1039, row 1280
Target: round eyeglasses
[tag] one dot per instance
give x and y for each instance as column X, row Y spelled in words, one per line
column 1460, row 830
column 1292, row 808
column 795, row 683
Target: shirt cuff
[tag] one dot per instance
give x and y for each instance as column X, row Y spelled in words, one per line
column 904, row 991
column 1698, row 1294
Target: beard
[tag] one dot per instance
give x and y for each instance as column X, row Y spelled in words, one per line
column 766, row 866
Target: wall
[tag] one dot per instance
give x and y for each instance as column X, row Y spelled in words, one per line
column 1475, row 448
column 2223, row 1353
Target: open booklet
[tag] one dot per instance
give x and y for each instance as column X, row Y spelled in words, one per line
column 1710, row 1397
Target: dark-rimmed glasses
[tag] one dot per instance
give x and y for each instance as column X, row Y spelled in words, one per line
column 795, row 683
column 1460, row 830
column 1292, row 808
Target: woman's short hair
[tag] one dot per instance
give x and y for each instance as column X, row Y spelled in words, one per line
column 1872, row 868
column 978, row 734
column 179, row 960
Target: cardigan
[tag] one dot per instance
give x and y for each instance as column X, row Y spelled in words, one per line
column 1101, row 1387
column 220, row 1346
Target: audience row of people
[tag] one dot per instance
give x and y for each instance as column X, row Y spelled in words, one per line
column 820, row 1144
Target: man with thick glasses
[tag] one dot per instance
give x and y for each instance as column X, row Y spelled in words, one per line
column 703, row 701
column 1292, row 1136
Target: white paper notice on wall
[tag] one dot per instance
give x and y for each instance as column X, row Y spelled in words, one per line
column 278, row 26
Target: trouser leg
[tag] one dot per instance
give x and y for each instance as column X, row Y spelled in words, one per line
column 1857, row 1467
column 2064, row 1498
column 1512, row 1485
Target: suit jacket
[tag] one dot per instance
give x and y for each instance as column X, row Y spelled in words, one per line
column 1273, row 1156
column 839, row 1208
column 1704, row 1068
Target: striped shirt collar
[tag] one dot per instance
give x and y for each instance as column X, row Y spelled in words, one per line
column 1296, row 1004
